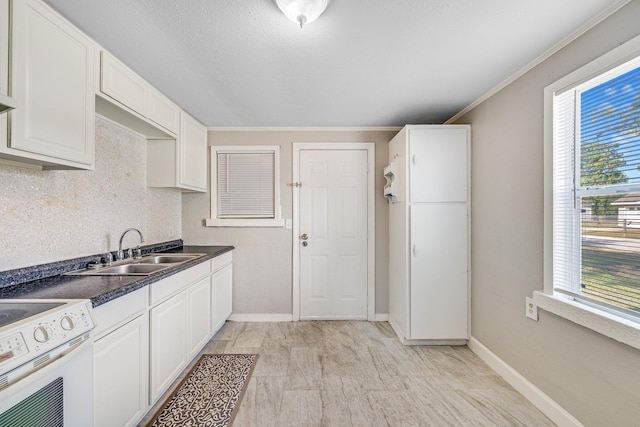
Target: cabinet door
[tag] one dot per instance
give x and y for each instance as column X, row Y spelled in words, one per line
column 222, row 283
column 199, row 315
column 168, row 343
column 193, row 154
column 123, row 85
column 121, row 361
column 438, row 165
column 164, row 112
column 438, row 273
column 52, row 81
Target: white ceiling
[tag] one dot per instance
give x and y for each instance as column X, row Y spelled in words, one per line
column 241, row 63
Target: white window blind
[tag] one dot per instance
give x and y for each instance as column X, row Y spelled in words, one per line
column 246, row 184
column 596, row 190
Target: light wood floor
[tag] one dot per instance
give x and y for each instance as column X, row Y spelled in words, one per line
column 349, row 373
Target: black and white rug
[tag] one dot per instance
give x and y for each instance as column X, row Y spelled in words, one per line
column 210, row 394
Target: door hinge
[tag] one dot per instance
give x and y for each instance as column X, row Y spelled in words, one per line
column 295, row 184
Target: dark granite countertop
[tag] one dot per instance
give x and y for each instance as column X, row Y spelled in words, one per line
column 102, row 289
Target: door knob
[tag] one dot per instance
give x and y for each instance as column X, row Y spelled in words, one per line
column 304, row 236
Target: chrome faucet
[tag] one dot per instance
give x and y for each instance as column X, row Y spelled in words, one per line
column 120, row 254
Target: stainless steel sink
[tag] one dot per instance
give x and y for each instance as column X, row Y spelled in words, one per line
column 166, row 259
column 138, row 267
column 132, row 269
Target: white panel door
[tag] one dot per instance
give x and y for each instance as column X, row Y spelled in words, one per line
column 439, row 263
column 198, row 315
column 120, row 372
column 438, row 165
column 52, row 80
column 168, row 343
column 333, row 234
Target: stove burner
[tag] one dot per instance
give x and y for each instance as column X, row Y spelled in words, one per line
column 11, row 315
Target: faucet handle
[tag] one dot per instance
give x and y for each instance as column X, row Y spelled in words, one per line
column 108, row 258
column 137, row 252
column 129, row 253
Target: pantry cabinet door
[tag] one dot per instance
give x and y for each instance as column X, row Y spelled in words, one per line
column 438, row 165
column 439, row 271
column 53, row 83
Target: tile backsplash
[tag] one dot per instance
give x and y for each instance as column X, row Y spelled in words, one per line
column 48, row 216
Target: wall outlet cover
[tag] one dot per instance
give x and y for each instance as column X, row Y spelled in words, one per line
column 531, row 309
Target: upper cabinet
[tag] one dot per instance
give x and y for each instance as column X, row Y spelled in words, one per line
column 121, row 84
column 52, row 80
column 177, row 150
column 180, row 163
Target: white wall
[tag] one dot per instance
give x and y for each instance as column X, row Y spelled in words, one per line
column 593, row 377
column 49, row 216
column 263, row 256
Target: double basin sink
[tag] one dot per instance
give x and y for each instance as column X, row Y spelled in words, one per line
column 138, row 267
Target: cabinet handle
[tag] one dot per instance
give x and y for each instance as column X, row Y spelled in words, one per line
column 413, row 250
column 413, row 159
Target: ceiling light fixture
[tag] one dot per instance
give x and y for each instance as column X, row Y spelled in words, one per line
column 302, row 11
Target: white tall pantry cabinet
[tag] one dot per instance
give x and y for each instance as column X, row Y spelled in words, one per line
column 428, row 190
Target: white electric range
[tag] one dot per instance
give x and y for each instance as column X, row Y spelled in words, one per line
column 46, row 373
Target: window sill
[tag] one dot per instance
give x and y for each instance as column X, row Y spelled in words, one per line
column 214, row 222
column 617, row 328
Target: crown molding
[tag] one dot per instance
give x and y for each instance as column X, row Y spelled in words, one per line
column 540, row 59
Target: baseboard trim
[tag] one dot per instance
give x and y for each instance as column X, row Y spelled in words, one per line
column 537, row 397
column 261, row 317
column 381, row 317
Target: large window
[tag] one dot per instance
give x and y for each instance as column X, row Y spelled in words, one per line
column 245, row 183
column 596, row 189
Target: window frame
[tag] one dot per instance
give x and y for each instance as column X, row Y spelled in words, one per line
column 594, row 317
column 214, row 220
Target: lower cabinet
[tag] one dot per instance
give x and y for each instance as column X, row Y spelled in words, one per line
column 198, row 316
column 145, row 339
column 121, row 362
column 168, row 343
column 221, row 284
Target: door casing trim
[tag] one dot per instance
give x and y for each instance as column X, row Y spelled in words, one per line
column 371, row 241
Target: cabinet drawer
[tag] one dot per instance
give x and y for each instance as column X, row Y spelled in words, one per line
column 123, row 85
column 179, row 281
column 164, row 112
column 116, row 312
column 220, row 261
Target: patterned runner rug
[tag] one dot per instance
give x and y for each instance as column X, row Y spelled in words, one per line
column 210, row 394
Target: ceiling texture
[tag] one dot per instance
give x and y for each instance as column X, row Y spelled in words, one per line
column 363, row 63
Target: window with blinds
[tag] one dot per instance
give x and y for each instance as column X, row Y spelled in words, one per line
column 596, row 191
column 245, row 183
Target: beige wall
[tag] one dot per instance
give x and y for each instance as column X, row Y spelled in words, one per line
column 49, row 216
column 595, row 378
column 263, row 256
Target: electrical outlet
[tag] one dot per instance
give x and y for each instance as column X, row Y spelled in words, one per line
column 531, row 309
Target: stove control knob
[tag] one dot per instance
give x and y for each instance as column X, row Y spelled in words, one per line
column 42, row 333
column 67, row 323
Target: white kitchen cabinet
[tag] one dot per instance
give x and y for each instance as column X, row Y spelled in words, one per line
column 429, row 235
column 199, row 314
column 123, row 85
column 168, row 343
column 222, row 284
column 222, row 290
column 52, row 79
column 163, row 111
column 121, row 361
column 4, row 67
column 180, row 163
